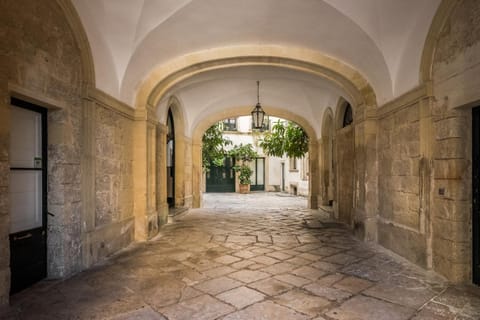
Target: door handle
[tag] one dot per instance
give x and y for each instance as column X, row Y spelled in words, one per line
column 28, row 235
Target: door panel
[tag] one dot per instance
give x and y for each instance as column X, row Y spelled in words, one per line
column 26, row 200
column 27, row 195
column 476, row 194
column 258, row 176
column 221, row 179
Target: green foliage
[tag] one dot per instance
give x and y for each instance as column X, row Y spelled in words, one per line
column 213, row 147
column 285, row 138
column 244, row 154
column 245, row 173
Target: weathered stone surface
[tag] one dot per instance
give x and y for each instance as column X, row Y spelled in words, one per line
column 248, row 276
column 241, row 297
column 202, row 308
column 270, row 286
column 364, row 308
column 218, row 285
column 406, row 243
column 163, row 275
column 302, row 302
column 266, row 310
column 409, row 297
column 140, row 314
column 353, row 284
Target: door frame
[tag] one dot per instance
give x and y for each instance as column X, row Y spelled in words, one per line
column 171, row 137
column 44, row 135
column 476, row 195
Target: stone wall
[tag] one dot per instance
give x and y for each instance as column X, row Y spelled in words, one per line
column 399, row 225
column 113, row 224
column 42, row 61
column 455, row 70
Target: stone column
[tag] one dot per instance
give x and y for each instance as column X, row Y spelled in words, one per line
column 197, row 174
column 161, row 185
column 88, row 179
column 314, row 178
column 144, row 170
column 187, row 176
column 179, row 170
column 426, row 175
column 366, row 176
column 371, row 175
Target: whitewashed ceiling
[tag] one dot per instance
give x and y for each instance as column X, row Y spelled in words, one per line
column 381, row 39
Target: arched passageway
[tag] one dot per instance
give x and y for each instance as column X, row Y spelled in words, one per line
column 403, row 174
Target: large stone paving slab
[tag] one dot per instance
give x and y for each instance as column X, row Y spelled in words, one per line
column 266, row 311
column 250, row 257
column 200, row 308
column 365, row 308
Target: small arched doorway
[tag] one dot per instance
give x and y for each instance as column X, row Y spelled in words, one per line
column 170, row 160
column 345, row 155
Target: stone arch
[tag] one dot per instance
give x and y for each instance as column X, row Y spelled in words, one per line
column 201, row 126
column 327, row 163
column 164, row 77
column 73, row 19
column 441, row 16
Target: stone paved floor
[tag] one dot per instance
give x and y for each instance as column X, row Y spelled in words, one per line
column 265, row 257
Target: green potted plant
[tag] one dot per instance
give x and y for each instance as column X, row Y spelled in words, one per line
column 243, row 154
column 245, row 173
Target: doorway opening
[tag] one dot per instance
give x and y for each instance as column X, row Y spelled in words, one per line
column 28, row 194
column 170, row 160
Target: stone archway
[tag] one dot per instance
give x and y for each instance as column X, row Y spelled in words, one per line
column 205, row 123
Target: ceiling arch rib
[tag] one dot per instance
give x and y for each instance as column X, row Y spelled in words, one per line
column 165, row 77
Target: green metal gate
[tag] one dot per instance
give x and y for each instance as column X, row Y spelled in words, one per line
column 221, row 179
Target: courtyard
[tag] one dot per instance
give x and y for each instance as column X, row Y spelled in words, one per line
column 255, row 256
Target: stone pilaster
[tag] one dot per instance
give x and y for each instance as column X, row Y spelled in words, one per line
column 161, row 187
column 88, row 179
column 197, row 174
column 144, row 170
column 314, row 175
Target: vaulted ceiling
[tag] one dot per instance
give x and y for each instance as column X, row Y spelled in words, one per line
column 382, row 40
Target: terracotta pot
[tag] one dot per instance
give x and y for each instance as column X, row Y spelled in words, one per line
column 244, row 188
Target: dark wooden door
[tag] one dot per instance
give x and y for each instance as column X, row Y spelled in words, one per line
column 476, row 193
column 28, row 195
column 221, row 179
